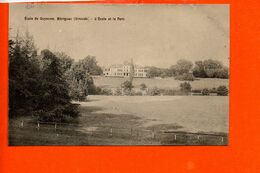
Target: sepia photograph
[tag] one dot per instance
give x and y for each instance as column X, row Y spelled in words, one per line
column 118, row 75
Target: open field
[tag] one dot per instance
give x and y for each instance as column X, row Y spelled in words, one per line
column 193, row 113
column 134, row 120
column 166, row 83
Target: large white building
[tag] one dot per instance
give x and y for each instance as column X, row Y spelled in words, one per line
column 124, row 70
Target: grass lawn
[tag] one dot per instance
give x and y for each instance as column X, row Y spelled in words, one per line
column 113, row 82
column 133, row 120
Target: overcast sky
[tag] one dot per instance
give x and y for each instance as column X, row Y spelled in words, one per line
column 156, row 35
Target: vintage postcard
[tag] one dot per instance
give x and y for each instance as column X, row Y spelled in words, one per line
column 95, row 74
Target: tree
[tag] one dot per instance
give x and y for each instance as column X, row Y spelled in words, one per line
column 212, row 64
column 78, row 75
column 185, row 87
column 55, row 99
column 222, row 73
column 153, row 72
column 127, row 87
column 172, row 70
column 65, row 60
column 198, row 70
column 182, row 66
column 222, row 90
column 211, row 69
column 24, row 75
column 181, row 70
column 159, row 72
column 37, row 85
column 90, row 64
column 78, row 89
column 79, row 81
column 185, row 77
column 215, row 69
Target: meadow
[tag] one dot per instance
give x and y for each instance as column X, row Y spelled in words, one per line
column 133, row 120
column 191, row 113
column 163, row 83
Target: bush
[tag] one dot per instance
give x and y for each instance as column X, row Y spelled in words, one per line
column 98, row 90
column 197, row 91
column 213, row 90
column 118, row 92
column 143, row 86
column 168, row 92
column 222, row 90
column 106, row 91
column 127, row 85
column 154, row 91
column 66, row 113
column 205, row 92
column 71, row 110
column 93, row 90
column 185, row 77
column 185, row 87
column 137, row 93
column 127, row 92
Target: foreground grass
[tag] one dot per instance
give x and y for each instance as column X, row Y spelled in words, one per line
column 105, row 129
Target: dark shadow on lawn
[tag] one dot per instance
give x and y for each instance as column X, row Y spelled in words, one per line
column 89, row 109
column 91, row 100
column 95, row 129
column 111, row 120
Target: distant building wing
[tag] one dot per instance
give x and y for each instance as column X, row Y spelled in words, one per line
column 124, row 70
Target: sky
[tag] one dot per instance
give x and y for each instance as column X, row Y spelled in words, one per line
column 153, row 35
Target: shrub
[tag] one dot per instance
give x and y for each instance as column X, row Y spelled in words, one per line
column 71, row 110
column 168, row 92
column 93, row 90
column 118, row 92
column 222, row 90
column 185, row 87
column 154, row 91
column 213, row 90
column 185, row 77
column 105, row 91
column 98, row 90
column 66, row 113
column 137, row 93
column 127, row 85
column 196, row 91
column 127, row 92
column 205, row 92
column 143, row 86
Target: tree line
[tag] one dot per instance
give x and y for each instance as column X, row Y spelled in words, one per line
column 44, row 85
column 184, row 89
column 186, row 70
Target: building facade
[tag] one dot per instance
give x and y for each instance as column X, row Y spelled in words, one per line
column 124, row 70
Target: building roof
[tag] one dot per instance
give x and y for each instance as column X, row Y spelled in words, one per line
column 116, row 66
column 125, row 63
